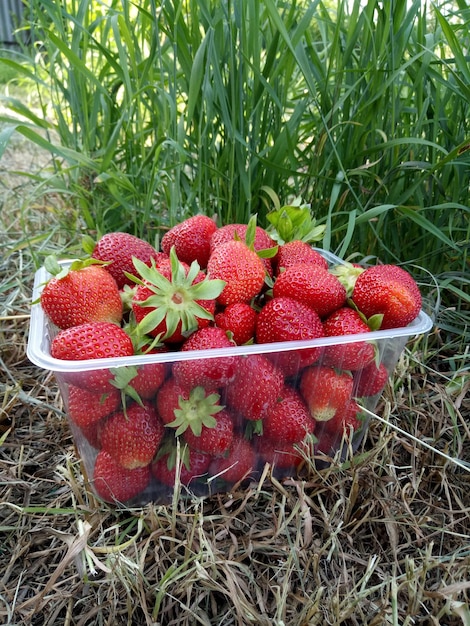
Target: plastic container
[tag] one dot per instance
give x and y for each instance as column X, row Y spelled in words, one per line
column 244, row 399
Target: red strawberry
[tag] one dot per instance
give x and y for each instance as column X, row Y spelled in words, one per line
column 86, row 407
column 193, row 467
column 210, row 373
column 312, row 285
column 237, row 464
column 240, row 319
column 96, row 340
column 262, row 241
column 133, row 437
column 344, row 420
column 289, row 420
column 240, row 268
column 285, row 319
column 118, row 249
column 215, row 440
column 280, row 455
column 390, row 291
column 92, row 432
column 175, row 307
column 139, row 382
column 349, row 356
column 114, row 483
column 325, row 391
column 191, row 239
column 297, row 251
column 255, row 388
column 370, row 380
column 85, row 294
column 168, row 399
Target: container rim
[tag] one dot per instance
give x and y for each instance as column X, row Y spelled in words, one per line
column 38, row 346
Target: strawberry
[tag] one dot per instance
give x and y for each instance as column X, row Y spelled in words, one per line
column 286, row 319
column 240, row 268
column 86, row 407
column 344, row 420
column 280, row 455
column 191, row 239
column 255, row 388
column 96, row 340
column 240, row 319
column 312, row 285
column 140, row 382
column 237, row 464
column 114, row 483
column 229, row 232
column 210, row 373
column 193, row 467
column 297, row 251
column 133, row 437
column 349, row 356
column 325, row 391
column 117, row 250
column 289, row 419
column 174, row 307
column 214, row 440
column 389, row 291
column 81, row 294
column 92, row 432
column 194, row 410
column 370, row 380
column 168, row 398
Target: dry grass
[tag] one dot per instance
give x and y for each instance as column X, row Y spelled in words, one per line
column 382, row 541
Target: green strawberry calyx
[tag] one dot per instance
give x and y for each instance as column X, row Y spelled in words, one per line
column 347, row 274
column 292, row 221
column 195, row 412
column 175, row 300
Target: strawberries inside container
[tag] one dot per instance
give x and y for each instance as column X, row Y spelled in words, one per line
column 264, row 384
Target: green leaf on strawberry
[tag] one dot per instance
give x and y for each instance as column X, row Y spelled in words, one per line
column 197, row 411
column 294, row 221
column 175, row 301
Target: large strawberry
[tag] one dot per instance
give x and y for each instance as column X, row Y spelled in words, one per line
column 132, row 437
column 286, row 319
column 114, row 483
column 237, row 464
column 191, row 239
column 86, row 407
column 214, row 440
column 289, row 419
column 229, row 232
column 96, row 340
column 280, row 455
column 192, row 468
column 325, row 391
column 313, row 285
column 389, row 291
column 118, row 249
column 79, row 294
column 349, row 356
column 255, row 388
column 174, row 307
column 240, row 268
column 139, row 382
column 297, row 251
column 370, row 380
column 210, row 373
column 239, row 319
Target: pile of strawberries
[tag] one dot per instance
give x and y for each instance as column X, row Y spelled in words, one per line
column 213, row 421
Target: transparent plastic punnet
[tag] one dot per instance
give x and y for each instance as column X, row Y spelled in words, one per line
column 299, row 369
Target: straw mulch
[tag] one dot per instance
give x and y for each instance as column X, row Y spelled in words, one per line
column 384, row 540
